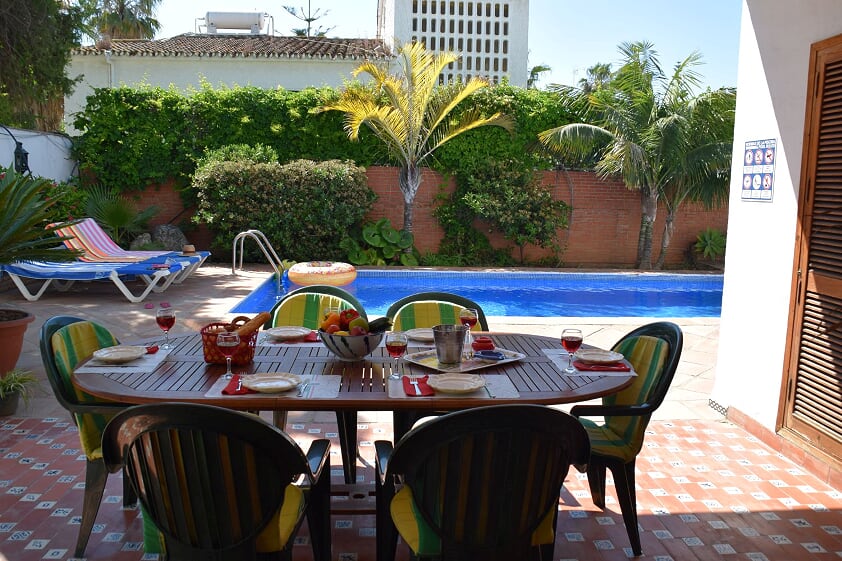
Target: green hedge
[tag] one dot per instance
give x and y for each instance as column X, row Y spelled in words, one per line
column 306, row 208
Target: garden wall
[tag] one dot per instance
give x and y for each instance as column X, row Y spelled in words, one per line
column 603, row 230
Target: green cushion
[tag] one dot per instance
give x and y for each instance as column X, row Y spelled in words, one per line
column 427, row 313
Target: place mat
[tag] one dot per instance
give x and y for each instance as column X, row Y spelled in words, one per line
column 498, row 384
column 429, row 359
column 143, row 365
column 559, row 358
column 263, row 340
column 318, row 387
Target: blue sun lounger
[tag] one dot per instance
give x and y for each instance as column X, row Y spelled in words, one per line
column 157, row 274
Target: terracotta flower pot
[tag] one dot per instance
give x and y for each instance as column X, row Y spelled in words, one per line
column 13, row 324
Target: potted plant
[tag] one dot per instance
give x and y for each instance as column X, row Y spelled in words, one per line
column 14, row 385
column 24, row 235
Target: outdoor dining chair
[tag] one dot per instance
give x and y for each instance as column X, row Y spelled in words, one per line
column 305, row 307
column 654, row 351
column 482, row 483
column 64, row 342
column 221, row 484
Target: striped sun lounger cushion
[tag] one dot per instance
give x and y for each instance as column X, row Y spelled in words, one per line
column 97, row 245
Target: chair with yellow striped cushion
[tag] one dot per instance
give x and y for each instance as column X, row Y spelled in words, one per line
column 221, row 484
column 482, row 483
column 305, row 307
column 654, row 351
column 427, row 309
column 64, row 342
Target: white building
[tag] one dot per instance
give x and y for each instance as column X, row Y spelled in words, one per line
column 492, row 37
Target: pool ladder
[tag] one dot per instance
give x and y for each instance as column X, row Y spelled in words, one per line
column 265, row 247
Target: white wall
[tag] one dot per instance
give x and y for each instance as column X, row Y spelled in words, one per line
column 187, row 72
column 49, row 153
column 775, row 43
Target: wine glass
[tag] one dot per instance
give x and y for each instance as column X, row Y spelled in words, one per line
column 227, row 342
column 165, row 318
column 396, row 347
column 468, row 316
column 571, row 340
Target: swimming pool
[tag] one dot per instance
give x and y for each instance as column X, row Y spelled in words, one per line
column 539, row 294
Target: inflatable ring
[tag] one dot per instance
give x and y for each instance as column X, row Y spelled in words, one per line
column 322, row 272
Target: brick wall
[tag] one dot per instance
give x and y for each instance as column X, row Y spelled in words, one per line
column 603, row 229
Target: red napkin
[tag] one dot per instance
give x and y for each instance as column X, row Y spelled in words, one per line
column 231, row 387
column 311, row 337
column 616, row 367
column 409, row 389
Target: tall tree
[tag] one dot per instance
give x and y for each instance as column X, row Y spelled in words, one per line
column 411, row 113
column 636, row 127
column 596, row 77
column 36, row 38
column 122, row 19
column 308, row 17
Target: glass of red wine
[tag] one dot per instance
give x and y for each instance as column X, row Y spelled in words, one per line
column 468, row 316
column 227, row 342
column 165, row 317
column 396, row 347
column 571, row 340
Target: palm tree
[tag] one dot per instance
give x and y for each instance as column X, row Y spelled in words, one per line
column 596, row 77
column 411, row 113
column 122, row 19
column 640, row 130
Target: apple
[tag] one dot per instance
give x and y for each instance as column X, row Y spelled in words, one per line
column 357, row 330
column 332, row 328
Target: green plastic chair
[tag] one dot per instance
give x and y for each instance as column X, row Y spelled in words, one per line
column 482, row 483
column 221, row 484
column 654, row 351
column 427, row 309
column 305, row 307
column 64, row 342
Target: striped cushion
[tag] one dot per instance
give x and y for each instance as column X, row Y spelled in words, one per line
column 307, row 310
column 428, row 313
column 622, row 436
column 418, row 535
column 273, row 538
column 71, row 345
column 97, row 245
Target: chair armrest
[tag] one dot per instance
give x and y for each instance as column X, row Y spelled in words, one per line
column 318, row 456
column 382, row 452
column 616, row 410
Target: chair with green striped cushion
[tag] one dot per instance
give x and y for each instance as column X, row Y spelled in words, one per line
column 65, row 341
column 482, row 483
column 428, row 309
column 221, row 484
column 654, row 351
column 305, row 307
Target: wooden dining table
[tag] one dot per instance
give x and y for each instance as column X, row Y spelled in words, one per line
column 347, row 387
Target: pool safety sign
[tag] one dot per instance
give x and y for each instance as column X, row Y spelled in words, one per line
column 759, row 170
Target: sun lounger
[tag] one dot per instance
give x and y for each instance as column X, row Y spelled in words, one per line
column 157, row 274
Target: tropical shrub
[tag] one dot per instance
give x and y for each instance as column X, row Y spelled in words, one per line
column 304, row 208
column 381, row 244
column 710, row 243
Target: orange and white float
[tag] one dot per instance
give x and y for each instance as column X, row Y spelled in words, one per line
column 333, row 273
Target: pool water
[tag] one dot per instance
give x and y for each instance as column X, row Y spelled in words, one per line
column 538, row 294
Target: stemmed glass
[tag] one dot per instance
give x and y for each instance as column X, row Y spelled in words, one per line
column 227, row 342
column 468, row 316
column 396, row 347
column 571, row 340
column 165, row 318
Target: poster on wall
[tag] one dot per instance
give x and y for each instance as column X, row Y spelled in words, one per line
column 759, row 170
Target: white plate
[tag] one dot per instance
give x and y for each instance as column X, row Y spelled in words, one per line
column 276, row 382
column 287, row 333
column 423, row 334
column 456, row 383
column 119, row 354
column 597, row 356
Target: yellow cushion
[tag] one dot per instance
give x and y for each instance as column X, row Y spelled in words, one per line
column 418, row 535
column 307, row 310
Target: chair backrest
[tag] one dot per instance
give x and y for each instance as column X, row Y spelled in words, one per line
column 209, row 478
column 654, row 351
column 427, row 309
column 305, row 306
column 484, row 479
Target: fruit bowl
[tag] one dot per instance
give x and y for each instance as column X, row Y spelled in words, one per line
column 351, row 347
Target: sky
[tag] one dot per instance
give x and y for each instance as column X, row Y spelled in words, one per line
column 570, row 36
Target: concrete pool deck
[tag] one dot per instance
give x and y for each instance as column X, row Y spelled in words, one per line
column 213, row 290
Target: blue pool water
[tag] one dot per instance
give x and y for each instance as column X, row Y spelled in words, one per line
column 539, row 294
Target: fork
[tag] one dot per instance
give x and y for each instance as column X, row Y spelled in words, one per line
column 302, row 388
column 488, row 391
column 414, row 383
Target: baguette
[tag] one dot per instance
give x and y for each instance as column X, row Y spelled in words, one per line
column 253, row 324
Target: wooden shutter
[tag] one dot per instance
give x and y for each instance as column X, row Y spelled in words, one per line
column 812, row 391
